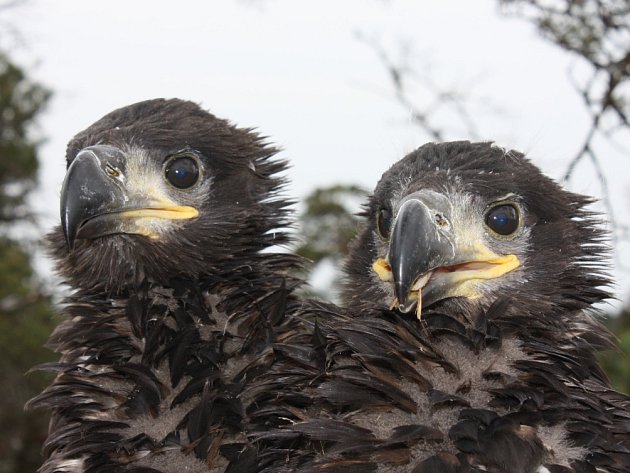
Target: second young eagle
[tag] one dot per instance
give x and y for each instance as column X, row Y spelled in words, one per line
column 470, row 338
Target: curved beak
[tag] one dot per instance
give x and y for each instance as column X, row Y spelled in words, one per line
column 96, row 199
column 90, row 190
column 417, row 246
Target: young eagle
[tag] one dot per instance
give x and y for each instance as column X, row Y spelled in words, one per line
column 165, row 213
column 470, row 339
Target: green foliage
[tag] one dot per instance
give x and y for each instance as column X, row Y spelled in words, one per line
column 26, row 315
column 593, row 29
column 617, row 363
column 26, row 320
column 20, row 102
column 327, row 223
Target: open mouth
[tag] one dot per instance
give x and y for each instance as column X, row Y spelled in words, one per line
column 440, row 282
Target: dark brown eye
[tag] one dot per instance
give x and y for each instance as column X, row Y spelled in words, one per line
column 502, row 219
column 182, row 172
column 384, row 222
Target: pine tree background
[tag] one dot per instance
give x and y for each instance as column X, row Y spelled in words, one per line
column 26, row 314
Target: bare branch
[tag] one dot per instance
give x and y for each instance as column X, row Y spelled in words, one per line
column 584, row 150
column 400, row 74
column 598, row 34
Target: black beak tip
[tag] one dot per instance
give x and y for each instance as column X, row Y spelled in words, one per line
column 70, row 240
column 402, row 296
column 417, row 246
column 408, row 307
column 69, row 227
column 87, row 191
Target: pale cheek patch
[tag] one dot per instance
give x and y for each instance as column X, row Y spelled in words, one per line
column 465, row 221
column 152, row 228
column 145, row 181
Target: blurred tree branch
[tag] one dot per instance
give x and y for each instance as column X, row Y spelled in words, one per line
column 439, row 99
column 26, row 315
column 327, row 225
column 327, row 222
column 597, row 33
column 20, row 101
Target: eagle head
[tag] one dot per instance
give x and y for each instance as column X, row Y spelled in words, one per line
column 463, row 224
column 162, row 188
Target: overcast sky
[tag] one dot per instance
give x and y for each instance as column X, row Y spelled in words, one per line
column 297, row 71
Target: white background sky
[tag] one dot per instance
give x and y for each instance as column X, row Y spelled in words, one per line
column 297, row 72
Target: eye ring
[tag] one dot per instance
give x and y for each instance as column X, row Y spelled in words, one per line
column 384, row 222
column 182, row 171
column 503, row 219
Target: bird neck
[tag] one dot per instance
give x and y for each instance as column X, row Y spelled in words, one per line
column 569, row 340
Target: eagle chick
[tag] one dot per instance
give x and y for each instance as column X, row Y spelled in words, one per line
column 166, row 213
column 469, row 341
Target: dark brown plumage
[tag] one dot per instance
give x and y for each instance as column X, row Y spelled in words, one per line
column 497, row 374
column 185, row 349
column 166, row 211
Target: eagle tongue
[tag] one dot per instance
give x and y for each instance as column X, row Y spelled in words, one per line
column 421, row 282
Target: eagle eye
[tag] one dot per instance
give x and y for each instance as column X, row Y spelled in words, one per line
column 384, row 222
column 503, row 219
column 182, row 171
